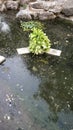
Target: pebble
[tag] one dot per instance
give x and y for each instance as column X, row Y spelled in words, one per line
column 19, row 112
column 67, row 41
column 7, row 117
column 21, row 89
column 17, row 85
column 68, row 35
column 68, row 105
column 65, row 77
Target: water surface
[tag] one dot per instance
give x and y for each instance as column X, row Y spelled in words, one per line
column 36, row 92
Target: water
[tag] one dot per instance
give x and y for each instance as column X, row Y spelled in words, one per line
column 36, row 91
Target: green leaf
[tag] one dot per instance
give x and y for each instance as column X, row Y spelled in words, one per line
column 38, row 42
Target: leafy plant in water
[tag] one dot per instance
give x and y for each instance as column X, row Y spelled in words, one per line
column 28, row 26
column 38, row 42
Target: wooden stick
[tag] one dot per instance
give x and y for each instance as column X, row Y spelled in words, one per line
column 2, row 59
column 26, row 50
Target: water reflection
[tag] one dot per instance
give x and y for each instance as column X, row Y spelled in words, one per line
column 56, row 87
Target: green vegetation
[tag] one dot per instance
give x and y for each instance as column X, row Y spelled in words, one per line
column 38, row 42
column 28, row 26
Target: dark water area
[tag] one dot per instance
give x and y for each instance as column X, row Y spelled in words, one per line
column 36, row 92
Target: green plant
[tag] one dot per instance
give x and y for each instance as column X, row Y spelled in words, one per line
column 38, row 42
column 28, row 26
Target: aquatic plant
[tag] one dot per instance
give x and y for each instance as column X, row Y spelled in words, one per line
column 28, row 26
column 38, row 42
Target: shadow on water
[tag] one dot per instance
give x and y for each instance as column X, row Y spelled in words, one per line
column 42, row 85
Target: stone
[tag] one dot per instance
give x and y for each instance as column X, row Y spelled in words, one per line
column 39, row 9
column 37, row 5
column 2, row 8
column 67, row 11
column 56, row 10
column 66, row 18
column 23, row 14
column 49, row 5
column 22, row 2
column 10, row 4
column 46, row 15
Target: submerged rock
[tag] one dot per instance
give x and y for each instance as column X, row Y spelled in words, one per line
column 5, row 27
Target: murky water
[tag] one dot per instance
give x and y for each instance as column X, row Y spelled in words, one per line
column 36, row 92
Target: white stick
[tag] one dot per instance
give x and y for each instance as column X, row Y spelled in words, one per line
column 27, row 51
column 2, row 59
column 54, row 52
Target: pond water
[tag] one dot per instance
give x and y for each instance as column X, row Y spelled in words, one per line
column 36, row 92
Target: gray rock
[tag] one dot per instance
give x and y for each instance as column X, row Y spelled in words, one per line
column 56, row 10
column 22, row 2
column 46, row 15
column 10, row 4
column 2, row 7
column 23, row 14
column 37, row 5
column 67, row 11
column 44, row 10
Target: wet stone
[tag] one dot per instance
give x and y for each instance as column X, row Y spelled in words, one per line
column 7, row 117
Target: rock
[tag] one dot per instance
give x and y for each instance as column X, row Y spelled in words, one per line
column 56, row 10
column 49, row 5
column 44, row 10
column 66, row 18
column 5, row 27
column 2, row 7
column 24, row 14
column 46, row 15
column 22, row 2
column 36, row 5
column 42, row 5
column 67, row 11
column 35, row 12
column 10, row 4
